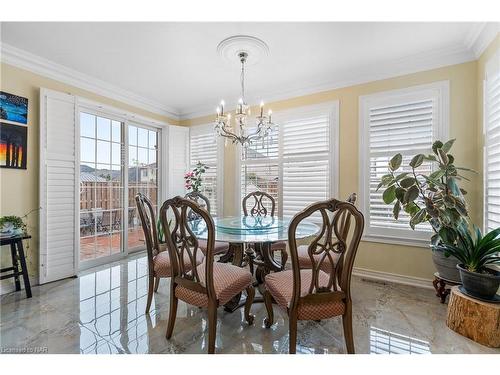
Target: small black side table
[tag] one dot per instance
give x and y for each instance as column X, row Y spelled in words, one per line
column 17, row 252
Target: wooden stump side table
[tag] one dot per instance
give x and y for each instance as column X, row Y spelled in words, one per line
column 17, row 254
column 474, row 319
column 440, row 286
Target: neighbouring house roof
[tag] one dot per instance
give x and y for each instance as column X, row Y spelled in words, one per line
column 90, row 177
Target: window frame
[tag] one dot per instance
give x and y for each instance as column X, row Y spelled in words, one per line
column 332, row 109
column 209, row 131
column 439, row 93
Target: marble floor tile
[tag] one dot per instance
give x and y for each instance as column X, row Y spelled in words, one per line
column 102, row 312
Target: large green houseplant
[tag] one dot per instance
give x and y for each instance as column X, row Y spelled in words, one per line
column 433, row 197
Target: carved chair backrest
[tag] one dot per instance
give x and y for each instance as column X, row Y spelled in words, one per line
column 259, row 204
column 332, row 241
column 183, row 245
column 148, row 222
column 201, row 200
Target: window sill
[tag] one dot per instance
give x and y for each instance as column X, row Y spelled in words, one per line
column 415, row 242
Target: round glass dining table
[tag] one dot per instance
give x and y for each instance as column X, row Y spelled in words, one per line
column 250, row 241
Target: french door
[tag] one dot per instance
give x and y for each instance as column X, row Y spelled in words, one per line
column 118, row 159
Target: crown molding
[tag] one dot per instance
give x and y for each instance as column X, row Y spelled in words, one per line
column 395, row 68
column 481, row 36
column 47, row 68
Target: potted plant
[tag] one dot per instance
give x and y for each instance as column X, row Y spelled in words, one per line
column 433, row 197
column 12, row 226
column 193, row 179
column 476, row 258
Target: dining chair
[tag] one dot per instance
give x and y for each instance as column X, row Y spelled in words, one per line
column 315, row 294
column 302, row 250
column 263, row 204
column 204, row 202
column 159, row 262
column 209, row 284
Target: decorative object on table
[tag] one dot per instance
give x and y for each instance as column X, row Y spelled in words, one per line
column 313, row 294
column 13, row 146
column 240, row 132
column 11, row 226
column 208, row 284
column 476, row 257
column 13, row 108
column 434, row 198
column 194, row 178
column 440, row 284
column 18, row 259
column 474, row 319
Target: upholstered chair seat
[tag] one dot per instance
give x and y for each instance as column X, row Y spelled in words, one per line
column 163, row 266
column 220, row 247
column 229, row 280
column 280, row 285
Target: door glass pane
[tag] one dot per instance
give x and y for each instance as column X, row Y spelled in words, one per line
column 143, row 178
column 101, row 187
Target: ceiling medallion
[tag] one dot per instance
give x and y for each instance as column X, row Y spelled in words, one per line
column 246, row 49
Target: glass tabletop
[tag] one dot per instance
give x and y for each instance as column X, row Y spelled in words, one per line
column 248, row 229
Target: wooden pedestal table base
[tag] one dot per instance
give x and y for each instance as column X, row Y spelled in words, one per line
column 474, row 319
column 265, row 263
column 440, row 286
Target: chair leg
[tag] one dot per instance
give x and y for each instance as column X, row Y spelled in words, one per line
column 173, row 313
column 248, row 304
column 212, row 327
column 292, row 327
column 157, row 283
column 268, row 301
column 347, row 323
column 150, row 293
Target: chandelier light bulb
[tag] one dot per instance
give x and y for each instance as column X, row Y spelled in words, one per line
column 218, row 111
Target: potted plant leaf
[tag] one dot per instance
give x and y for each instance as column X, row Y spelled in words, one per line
column 477, row 257
column 433, row 197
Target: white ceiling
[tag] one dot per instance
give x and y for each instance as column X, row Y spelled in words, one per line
column 177, row 65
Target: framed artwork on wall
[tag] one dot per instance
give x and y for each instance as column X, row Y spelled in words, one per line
column 13, row 146
column 13, row 108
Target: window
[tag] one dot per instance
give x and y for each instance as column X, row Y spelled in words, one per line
column 296, row 165
column 491, row 165
column 404, row 121
column 205, row 147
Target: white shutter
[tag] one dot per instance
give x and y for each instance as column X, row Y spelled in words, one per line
column 402, row 121
column 308, row 145
column 178, row 159
column 492, row 145
column 58, row 186
column 205, row 147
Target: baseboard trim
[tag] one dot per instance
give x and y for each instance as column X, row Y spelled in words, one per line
column 392, row 278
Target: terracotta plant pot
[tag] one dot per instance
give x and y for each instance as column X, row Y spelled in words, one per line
column 446, row 266
column 481, row 285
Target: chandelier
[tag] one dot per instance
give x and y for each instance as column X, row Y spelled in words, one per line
column 237, row 129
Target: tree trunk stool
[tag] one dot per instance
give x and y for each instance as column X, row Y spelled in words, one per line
column 474, row 319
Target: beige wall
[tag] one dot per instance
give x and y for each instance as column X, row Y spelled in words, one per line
column 19, row 188
column 396, row 259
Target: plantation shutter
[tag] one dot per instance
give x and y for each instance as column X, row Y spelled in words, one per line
column 178, row 159
column 204, row 148
column 492, row 145
column 58, row 186
column 307, row 147
column 405, row 123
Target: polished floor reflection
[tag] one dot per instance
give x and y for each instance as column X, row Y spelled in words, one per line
column 102, row 311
